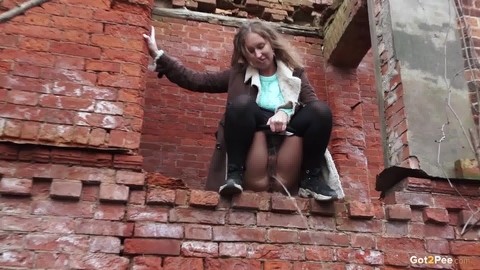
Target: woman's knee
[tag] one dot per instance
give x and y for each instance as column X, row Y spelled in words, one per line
column 319, row 109
column 242, row 102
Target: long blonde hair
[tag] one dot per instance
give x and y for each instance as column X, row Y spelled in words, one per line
column 281, row 47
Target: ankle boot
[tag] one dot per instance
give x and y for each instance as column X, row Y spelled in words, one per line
column 313, row 185
column 233, row 183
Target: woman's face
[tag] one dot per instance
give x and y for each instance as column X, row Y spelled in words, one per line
column 260, row 54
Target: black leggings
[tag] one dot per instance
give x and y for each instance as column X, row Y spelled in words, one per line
column 243, row 116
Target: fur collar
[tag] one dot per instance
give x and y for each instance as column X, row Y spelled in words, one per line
column 290, row 85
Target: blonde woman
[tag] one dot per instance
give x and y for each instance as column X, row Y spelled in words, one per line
column 266, row 85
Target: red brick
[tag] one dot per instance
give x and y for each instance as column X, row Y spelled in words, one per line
column 252, row 200
column 398, row 212
column 276, row 252
column 321, row 223
column 104, row 228
column 63, row 208
column 160, row 196
column 313, row 253
column 66, row 189
column 105, row 244
column 281, row 220
column 179, row 263
column 52, row 242
column 277, row 265
column 360, row 210
column 399, row 244
column 181, row 197
column 241, row 218
column 434, row 230
column 133, row 162
column 147, row 213
column 110, row 211
column 322, row 208
column 152, row 246
column 199, row 249
column 51, row 260
column 22, row 97
column 98, row 261
column 137, row 197
column 204, row 198
column 199, row 216
column 469, row 248
column 437, row 246
column 198, row 232
column 363, row 241
column 436, row 215
column 467, row 216
column 231, row 264
column 21, row 223
column 17, row 258
column 360, row 256
column 147, row 263
column 282, row 236
column 239, row 234
column 157, row 230
column 282, row 203
column 113, row 193
column 324, row 238
column 233, row 249
column 15, row 186
column 359, row 225
column 413, row 199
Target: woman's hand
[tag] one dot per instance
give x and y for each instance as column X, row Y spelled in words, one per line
column 278, row 122
column 152, row 44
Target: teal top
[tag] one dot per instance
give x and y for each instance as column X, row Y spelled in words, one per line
column 270, row 96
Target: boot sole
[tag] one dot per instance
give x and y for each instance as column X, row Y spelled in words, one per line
column 230, row 190
column 305, row 193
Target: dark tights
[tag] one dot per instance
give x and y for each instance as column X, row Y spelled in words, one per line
column 313, row 123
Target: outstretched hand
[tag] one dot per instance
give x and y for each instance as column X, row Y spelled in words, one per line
column 152, row 44
column 278, row 122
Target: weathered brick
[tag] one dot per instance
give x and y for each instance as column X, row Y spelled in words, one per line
column 63, row 208
column 180, row 263
column 225, row 233
column 157, row 230
column 468, row 248
column 105, row 244
column 152, row 246
column 161, row 196
column 281, row 220
column 435, row 215
column 110, row 211
column 204, row 198
column 97, row 261
column 241, row 218
column 277, row 265
column 233, row 249
column 322, row 208
column 282, row 203
column 272, row 252
column 360, row 210
column 17, row 258
column 324, row 238
column 360, row 256
column 103, row 227
column 282, row 236
column 232, row 264
column 199, row 249
column 147, row 213
column 398, row 212
column 251, row 200
column 130, row 178
column 199, row 216
column 66, row 189
column 113, row 193
column 147, row 263
column 359, row 225
column 16, row 186
column 409, row 198
column 468, row 216
column 198, row 232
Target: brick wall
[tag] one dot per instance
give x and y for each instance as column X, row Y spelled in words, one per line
column 72, row 74
column 80, row 225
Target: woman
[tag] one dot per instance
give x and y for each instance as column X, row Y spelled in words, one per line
column 266, row 85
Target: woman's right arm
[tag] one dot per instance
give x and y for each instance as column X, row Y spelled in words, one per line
column 176, row 72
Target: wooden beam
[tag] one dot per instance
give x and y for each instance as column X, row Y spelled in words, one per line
column 184, row 13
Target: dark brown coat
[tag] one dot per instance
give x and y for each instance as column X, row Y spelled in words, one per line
column 230, row 81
